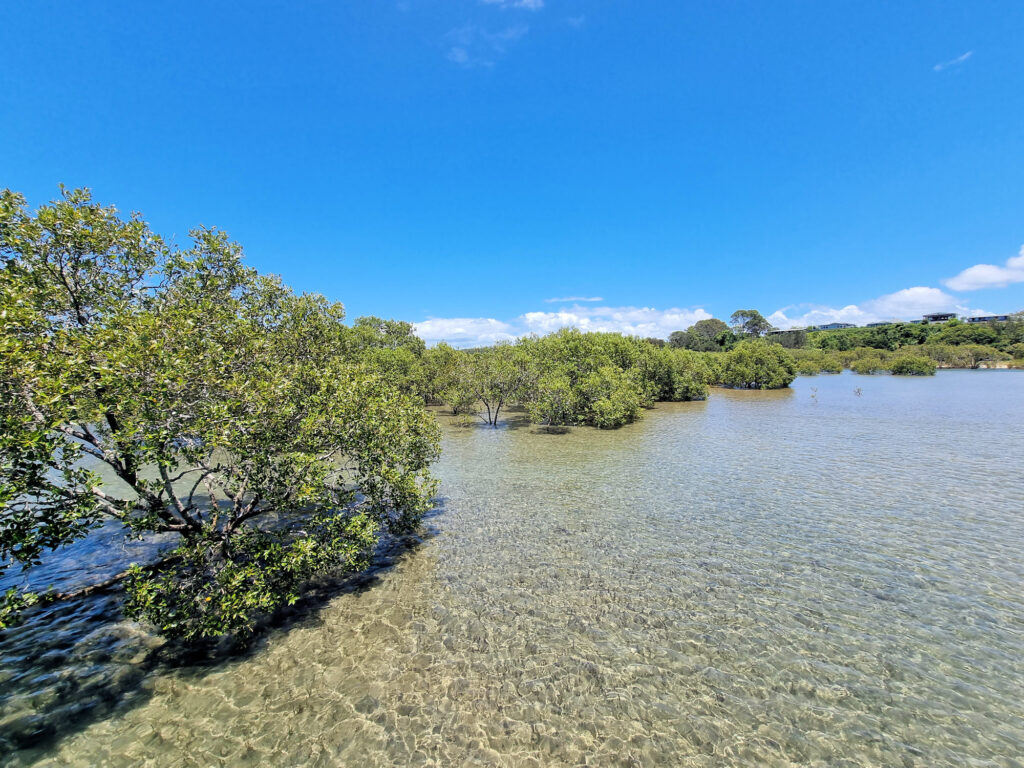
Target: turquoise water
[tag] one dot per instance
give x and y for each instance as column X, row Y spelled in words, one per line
column 828, row 575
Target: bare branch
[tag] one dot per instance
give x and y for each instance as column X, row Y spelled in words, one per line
column 173, row 498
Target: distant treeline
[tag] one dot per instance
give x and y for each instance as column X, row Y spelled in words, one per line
column 952, row 344
column 713, row 335
column 1006, row 337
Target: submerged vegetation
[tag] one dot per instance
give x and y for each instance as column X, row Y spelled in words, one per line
column 757, row 365
column 926, row 358
column 595, row 379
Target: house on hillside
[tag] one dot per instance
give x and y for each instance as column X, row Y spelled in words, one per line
column 939, row 317
column 832, row 327
column 988, row 319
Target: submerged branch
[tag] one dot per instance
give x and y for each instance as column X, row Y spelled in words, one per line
column 104, row 586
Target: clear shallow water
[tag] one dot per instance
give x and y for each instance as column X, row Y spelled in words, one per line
column 802, row 577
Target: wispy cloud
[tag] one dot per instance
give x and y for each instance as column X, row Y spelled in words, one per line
column 459, row 55
column 474, row 46
column 576, row 21
column 529, row 5
column 953, row 62
column 989, row 275
column 568, row 299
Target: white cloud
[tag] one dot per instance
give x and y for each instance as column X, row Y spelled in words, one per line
column 906, row 304
column 953, row 62
column 529, row 5
column 815, row 314
column 576, row 21
column 989, row 275
column 473, row 46
column 633, row 321
column 567, row 299
column 464, row 331
column 911, row 301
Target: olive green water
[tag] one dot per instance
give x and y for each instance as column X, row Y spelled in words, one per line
column 807, row 577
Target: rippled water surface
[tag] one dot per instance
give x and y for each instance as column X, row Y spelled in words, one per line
column 815, row 576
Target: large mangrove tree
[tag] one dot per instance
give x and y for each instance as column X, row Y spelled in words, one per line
column 175, row 391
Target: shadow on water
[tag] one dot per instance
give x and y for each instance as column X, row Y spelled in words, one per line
column 75, row 662
column 510, row 419
column 549, row 429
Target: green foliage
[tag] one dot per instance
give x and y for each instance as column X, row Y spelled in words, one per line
column 962, row 355
column 448, row 379
column 500, row 375
column 574, row 370
column 606, row 379
column 807, row 367
column 710, row 335
column 795, row 339
column 569, row 377
column 757, row 365
column 811, row 362
column 709, row 328
column 555, row 401
column 869, row 364
column 965, row 333
column 912, row 365
column 215, row 396
column 614, row 397
column 1012, row 332
column 714, row 364
column 868, row 360
column 750, row 322
column 374, row 333
column 12, row 603
column 685, row 376
column 895, row 336
column 204, row 592
column 399, row 366
column 679, row 339
column 831, row 364
column 889, row 337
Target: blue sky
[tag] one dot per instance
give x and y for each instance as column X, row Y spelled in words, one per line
column 482, row 167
